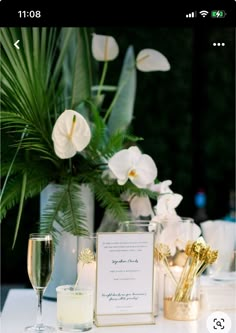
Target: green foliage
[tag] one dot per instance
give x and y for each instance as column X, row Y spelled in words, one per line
column 33, row 89
column 66, row 207
column 54, row 73
column 123, row 106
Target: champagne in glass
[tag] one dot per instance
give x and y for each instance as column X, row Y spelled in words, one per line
column 39, row 266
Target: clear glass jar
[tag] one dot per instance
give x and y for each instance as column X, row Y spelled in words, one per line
column 74, row 309
column 181, row 300
column 174, row 233
column 137, row 226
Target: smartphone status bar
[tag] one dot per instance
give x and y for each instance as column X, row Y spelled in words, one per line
column 68, row 14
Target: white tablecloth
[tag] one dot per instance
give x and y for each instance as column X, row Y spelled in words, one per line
column 21, row 306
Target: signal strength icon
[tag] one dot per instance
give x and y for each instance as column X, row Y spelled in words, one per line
column 191, row 15
column 203, row 13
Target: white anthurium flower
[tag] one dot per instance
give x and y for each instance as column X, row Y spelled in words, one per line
column 149, row 60
column 71, row 134
column 141, row 206
column 132, row 164
column 104, row 48
column 166, row 204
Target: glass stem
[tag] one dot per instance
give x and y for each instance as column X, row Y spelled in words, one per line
column 39, row 322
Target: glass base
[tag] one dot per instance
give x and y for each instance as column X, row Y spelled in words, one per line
column 75, row 327
column 40, row 329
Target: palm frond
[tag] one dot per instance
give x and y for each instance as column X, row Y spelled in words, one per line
column 11, row 195
column 114, row 144
column 110, row 201
column 36, row 181
column 65, row 206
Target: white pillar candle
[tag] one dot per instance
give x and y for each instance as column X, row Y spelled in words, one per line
column 87, row 277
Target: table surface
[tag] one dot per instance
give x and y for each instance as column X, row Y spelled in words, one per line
column 21, row 304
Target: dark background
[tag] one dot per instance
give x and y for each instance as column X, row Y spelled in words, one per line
column 186, row 117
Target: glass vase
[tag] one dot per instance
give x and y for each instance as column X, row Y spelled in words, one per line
column 174, row 235
column 181, row 297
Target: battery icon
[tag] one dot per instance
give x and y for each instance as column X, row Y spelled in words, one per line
column 218, row 13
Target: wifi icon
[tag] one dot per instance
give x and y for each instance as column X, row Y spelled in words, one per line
column 203, row 13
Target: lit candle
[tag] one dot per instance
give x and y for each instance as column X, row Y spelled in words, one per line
column 177, row 270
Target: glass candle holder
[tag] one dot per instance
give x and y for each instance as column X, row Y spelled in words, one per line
column 181, row 298
column 137, row 226
column 74, row 309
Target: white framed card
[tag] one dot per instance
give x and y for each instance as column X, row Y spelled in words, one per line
column 124, row 292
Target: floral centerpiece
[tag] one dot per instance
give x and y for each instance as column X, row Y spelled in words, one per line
column 60, row 129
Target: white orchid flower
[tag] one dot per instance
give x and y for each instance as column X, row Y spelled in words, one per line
column 104, row 48
column 141, row 206
column 162, row 187
column 132, row 164
column 167, row 203
column 149, row 60
column 165, row 208
column 71, row 134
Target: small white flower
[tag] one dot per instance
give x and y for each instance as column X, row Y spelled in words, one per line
column 132, row 164
column 149, row 60
column 167, row 203
column 141, row 206
column 162, row 187
column 104, row 48
column 165, row 208
column 71, row 134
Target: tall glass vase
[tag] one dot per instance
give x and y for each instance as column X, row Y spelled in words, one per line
column 174, row 234
column 66, row 255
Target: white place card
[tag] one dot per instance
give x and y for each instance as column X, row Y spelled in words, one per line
column 124, row 294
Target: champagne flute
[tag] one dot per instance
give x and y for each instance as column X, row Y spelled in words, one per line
column 39, row 267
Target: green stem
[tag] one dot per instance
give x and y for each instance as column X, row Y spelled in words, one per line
column 12, row 162
column 104, row 72
column 22, row 199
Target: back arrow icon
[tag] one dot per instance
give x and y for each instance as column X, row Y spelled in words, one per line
column 16, row 44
